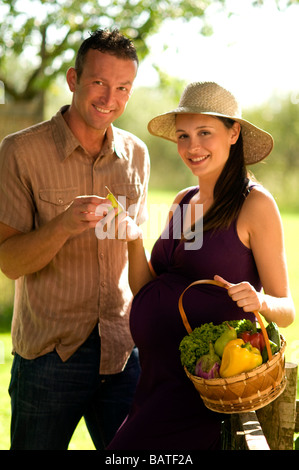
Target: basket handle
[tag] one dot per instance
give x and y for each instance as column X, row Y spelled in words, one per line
column 220, row 284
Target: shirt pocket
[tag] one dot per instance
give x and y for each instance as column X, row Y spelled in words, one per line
column 129, row 195
column 53, row 202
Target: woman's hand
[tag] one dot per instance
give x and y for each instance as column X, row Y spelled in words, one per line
column 126, row 228
column 121, row 226
column 244, row 294
column 280, row 310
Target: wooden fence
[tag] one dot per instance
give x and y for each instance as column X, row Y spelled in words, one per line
column 270, row 428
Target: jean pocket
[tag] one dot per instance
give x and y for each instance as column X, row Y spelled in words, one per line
column 15, row 373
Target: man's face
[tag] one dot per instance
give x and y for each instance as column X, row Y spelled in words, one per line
column 101, row 94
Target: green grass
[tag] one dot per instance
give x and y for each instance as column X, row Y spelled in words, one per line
column 291, row 230
column 4, row 397
column 159, row 203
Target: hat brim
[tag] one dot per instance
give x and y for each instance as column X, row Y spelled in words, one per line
column 257, row 143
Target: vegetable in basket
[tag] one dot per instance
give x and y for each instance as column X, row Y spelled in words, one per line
column 196, row 344
column 274, row 350
column 239, row 357
column 208, row 365
column 255, row 338
column 228, row 335
column 274, row 340
column 273, row 334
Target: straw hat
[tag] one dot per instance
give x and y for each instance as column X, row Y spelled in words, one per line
column 210, row 98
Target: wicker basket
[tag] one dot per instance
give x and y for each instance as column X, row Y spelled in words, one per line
column 247, row 391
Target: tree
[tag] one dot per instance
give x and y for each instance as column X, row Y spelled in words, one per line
column 280, row 171
column 38, row 38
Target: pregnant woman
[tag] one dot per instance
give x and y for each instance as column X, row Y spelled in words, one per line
column 241, row 245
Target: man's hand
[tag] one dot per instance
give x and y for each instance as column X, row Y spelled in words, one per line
column 82, row 213
column 25, row 253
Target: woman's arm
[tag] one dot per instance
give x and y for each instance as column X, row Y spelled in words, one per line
column 265, row 235
column 140, row 269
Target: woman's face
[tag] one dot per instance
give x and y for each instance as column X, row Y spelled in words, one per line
column 204, row 142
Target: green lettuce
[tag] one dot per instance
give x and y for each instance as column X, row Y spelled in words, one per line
column 196, row 344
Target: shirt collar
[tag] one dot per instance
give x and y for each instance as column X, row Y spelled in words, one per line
column 66, row 142
column 115, row 142
column 64, row 139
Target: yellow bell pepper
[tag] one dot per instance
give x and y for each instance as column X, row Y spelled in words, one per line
column 239, row 357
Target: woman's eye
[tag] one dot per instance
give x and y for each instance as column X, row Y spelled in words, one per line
column 182, row 136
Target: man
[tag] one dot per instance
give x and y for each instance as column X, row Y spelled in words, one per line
column 73, row 352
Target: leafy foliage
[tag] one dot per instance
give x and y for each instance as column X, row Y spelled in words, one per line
column 279, row 172
column 52, row 31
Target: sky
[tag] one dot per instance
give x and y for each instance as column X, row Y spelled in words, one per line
column 253, row 53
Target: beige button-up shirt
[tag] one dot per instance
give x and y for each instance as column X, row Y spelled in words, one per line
column 42, row 169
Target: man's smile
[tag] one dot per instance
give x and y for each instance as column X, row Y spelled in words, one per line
column 102, row 110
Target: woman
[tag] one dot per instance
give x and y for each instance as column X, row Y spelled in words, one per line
column 242, row 246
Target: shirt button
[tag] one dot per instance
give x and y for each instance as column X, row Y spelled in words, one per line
column 103, row 283
column 60, row 201
column 101, row 255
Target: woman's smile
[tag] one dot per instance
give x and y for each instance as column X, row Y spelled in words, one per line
column 195, row 160
column 204, row 142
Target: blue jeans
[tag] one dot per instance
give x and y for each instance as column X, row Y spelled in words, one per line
column 49, row 397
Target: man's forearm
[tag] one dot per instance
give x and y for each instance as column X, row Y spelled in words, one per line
column 26, row 253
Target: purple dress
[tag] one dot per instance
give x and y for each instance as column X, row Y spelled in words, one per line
column 167, row 412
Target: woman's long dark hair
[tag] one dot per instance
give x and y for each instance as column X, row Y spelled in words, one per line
column 230, row 188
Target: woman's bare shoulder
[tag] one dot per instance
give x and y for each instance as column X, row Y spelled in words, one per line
column 259, row 200
column 178, row 198
column 260, row 211
column 181, row 194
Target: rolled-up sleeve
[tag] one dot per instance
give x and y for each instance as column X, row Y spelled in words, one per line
column 16, row 201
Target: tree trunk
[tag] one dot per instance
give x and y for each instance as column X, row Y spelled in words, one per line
column 278, row 418
column 17, row 115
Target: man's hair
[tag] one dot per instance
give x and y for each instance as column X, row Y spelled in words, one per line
column 109, row 42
